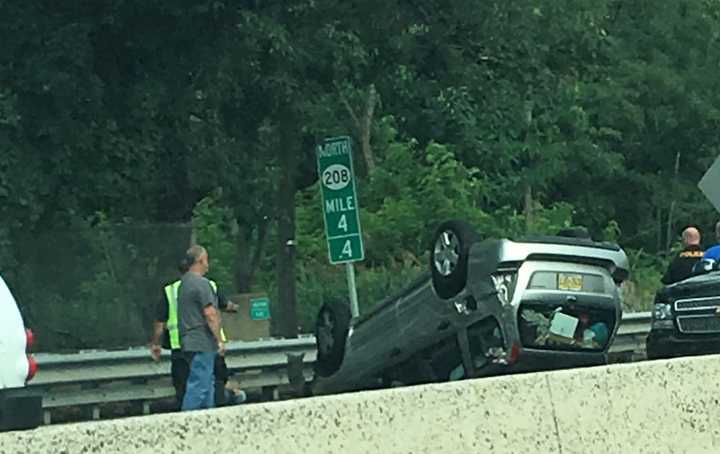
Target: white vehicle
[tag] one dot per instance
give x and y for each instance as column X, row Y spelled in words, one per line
column 17, row 410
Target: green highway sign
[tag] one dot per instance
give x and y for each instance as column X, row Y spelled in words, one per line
column 339, row 200
column 259, row 309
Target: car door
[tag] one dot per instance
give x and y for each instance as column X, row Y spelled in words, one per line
column 12, row 341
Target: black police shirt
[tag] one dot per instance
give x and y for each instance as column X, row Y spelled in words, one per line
column 681, row 266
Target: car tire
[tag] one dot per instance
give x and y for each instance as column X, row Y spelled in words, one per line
column 20, row 412
column 331, row 330
column 654, row 351
column 449, row 256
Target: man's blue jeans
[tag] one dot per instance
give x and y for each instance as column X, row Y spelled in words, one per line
column 200, row 390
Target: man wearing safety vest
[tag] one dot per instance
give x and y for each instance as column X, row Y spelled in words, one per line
column 166, row 327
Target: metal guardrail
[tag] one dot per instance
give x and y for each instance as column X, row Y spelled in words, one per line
column 93, row 378
column 631, row 335
column 136, row 363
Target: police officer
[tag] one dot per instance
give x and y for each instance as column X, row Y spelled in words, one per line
column 713, row 253
column 682, row 265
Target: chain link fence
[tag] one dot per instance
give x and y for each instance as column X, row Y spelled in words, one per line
column 94, row 287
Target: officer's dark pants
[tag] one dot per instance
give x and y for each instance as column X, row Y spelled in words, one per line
column 180, row 370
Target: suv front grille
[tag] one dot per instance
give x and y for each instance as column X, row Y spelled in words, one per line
column 697, row 303
column 698, row 324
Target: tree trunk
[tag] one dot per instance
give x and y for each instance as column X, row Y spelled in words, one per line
column 671, row 211
column 249, row 250
column 242, row 261
column 286, row 314
column 364, row 126
column 658, row 230
column 366, row 130
column 258, row 251
column 528, row 208
column 528, row 202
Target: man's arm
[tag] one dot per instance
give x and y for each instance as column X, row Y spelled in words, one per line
column 155, row 348
column 212, row 316
column 224, row 303
column 161, row 316
column 230, row 307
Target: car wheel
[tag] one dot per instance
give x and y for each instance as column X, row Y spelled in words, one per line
column 449, row 257
column 653, row 351
column 20, row 412
column 331, row 330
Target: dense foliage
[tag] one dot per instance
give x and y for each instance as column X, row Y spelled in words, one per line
column 517, row 116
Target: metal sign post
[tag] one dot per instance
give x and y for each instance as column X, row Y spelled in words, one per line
column 350, row 271
column 340, row 208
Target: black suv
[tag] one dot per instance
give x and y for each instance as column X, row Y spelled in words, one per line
column 686, row 316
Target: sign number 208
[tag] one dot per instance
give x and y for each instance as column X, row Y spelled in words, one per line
column 336, row 177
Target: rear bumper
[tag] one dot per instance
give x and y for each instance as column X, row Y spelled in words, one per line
column 19, row 412
column 667, row 344
column 536, row 360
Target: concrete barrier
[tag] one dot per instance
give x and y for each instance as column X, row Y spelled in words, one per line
column 650, row 407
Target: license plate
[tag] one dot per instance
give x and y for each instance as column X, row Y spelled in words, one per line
column 571, row 282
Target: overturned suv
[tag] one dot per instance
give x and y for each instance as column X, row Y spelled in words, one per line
column 485, row 308
column 686, row 315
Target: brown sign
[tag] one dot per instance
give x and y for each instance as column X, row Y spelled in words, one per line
column 240, row 325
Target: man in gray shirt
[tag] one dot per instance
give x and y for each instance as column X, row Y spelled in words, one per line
column 199, row 324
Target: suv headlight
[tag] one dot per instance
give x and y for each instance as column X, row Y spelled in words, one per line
column 662, row 311
column 505, row 286
column 662, row 316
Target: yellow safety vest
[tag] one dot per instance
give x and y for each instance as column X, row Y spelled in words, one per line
column 171, row 294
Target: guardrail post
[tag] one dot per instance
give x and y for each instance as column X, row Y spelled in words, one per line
column 47, row 416
column 270, row 393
